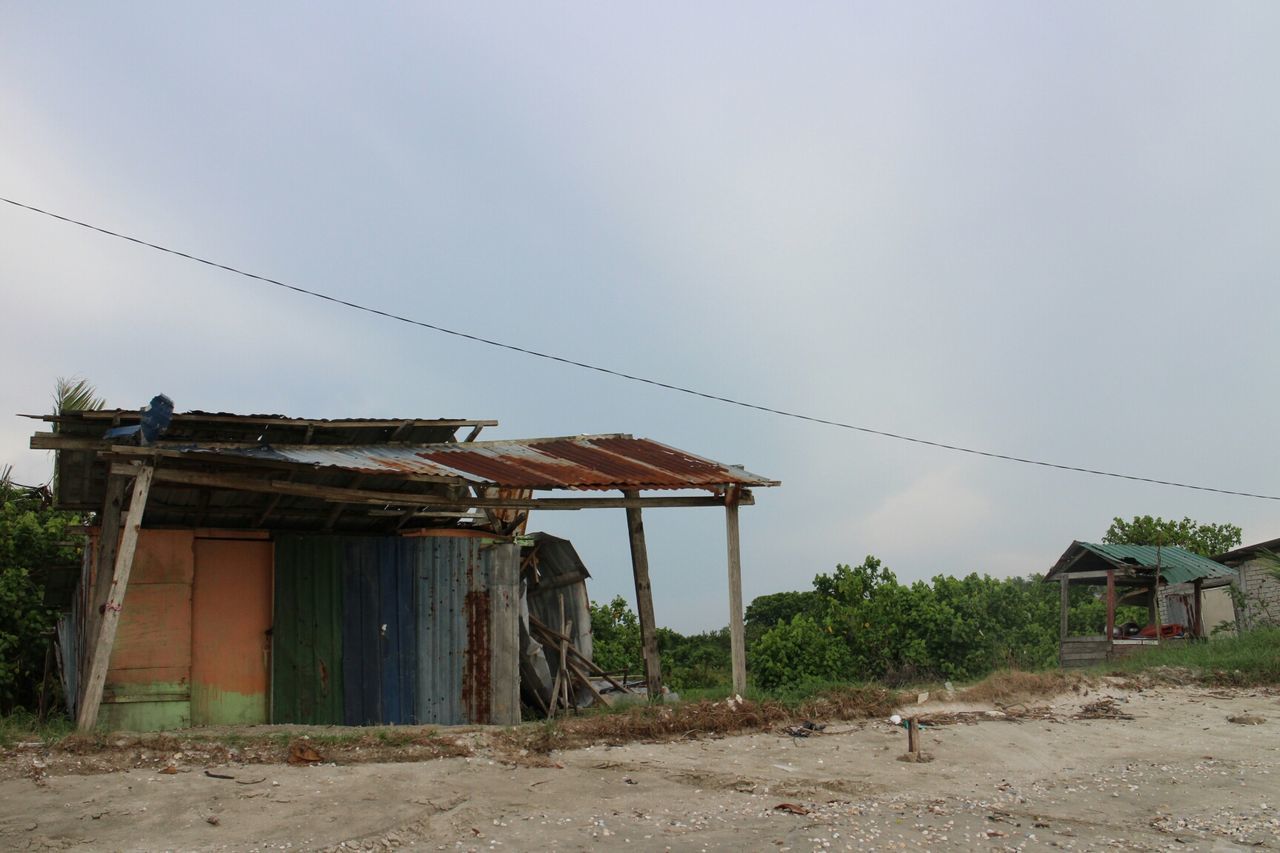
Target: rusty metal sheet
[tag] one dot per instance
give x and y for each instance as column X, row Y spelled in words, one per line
column 468, row 631
column 580, row 462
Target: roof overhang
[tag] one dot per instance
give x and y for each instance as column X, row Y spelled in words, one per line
column 211, row 472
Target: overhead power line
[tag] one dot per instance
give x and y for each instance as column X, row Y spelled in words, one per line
column 629, row 376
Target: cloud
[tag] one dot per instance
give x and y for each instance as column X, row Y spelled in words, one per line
column 940, row 507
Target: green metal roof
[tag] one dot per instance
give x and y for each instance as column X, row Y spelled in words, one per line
column 1176, row 564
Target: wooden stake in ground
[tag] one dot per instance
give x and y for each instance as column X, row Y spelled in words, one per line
column 96, row 677
column 913, row 737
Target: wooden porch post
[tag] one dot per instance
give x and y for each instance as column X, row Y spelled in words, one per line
column 1111, row 606
column 737, row 637
column 1197, row 622
column 644, row 600
column 108, row 542
column 1065, row 599
column 96, row 676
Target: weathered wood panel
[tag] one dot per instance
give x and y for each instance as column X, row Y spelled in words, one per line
column 230, row 630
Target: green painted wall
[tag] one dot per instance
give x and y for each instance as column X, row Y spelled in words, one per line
column 306, row 684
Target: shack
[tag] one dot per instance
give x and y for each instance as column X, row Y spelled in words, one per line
column 263, row 568
column 1132, row 574
column 1258, row 601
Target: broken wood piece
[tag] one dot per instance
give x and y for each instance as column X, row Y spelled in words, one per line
column 587, row 681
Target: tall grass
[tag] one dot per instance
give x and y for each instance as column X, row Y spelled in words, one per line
column 1247, row 660
column 22, row 726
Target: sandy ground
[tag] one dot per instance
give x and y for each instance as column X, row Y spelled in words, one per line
column 1178, row 776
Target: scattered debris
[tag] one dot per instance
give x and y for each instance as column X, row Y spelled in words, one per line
column 793, row 808
column 301, row 752
column 1103, row 709
column 213, row 775
column 1246, row 719
column 213, row 820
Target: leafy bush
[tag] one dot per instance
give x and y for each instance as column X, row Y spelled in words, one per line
column 615, row 637
column 33, row 537
column 799, row 652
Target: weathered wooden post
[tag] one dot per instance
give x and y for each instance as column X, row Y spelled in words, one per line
column 737, row 638
column 96, row 676
column 644, row 600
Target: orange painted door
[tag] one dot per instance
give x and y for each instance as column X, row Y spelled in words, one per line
column 230, row 621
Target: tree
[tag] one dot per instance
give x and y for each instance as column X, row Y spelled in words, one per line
column 33, row 537
column 1207, row 540
column 615, row 637
column 766, row 611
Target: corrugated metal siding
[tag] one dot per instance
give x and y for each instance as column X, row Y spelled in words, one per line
column 468, row 631
column 396, row 588
column 379, row 648
column 441, row 568
column 1176, row 564
column 307, row 678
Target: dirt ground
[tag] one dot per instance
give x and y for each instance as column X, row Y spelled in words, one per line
column 1177, row 775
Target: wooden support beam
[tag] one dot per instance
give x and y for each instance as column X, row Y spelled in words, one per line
column 1111, row 605
column 1197, row 620
column 337, row 494
column 105, row 559
column 644, row 601
column 1064, row 629
column 338, row 508
column 96, row 675
column 737, row 635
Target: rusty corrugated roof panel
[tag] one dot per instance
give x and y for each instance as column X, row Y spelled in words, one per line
column 580, row 462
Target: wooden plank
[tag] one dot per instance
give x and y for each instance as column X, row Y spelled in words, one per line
column 266, row 420
column 737, row 636
column 1111, row 604
column 108, row 543
column 367, row 496
column 1065, row 606
column 556, row 636
column 644, row 600
column 583, row 679
column 96, row 676
column 1099, row 574
column 1197, row 621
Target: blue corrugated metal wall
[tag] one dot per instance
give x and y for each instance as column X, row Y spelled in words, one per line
column 425, row 630
column 379, row 648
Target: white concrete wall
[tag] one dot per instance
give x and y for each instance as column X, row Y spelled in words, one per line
column 1261, row 594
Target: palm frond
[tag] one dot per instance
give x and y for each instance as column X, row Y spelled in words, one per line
column 73, row 394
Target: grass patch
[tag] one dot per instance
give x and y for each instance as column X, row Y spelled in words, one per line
column 22, row 726
column 1252, row 659
column 1008, row 686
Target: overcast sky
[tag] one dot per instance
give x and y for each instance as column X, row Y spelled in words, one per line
column 1048, row 230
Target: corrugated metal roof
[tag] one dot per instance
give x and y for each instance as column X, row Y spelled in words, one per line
column 579, row 462
column 1176, row 565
